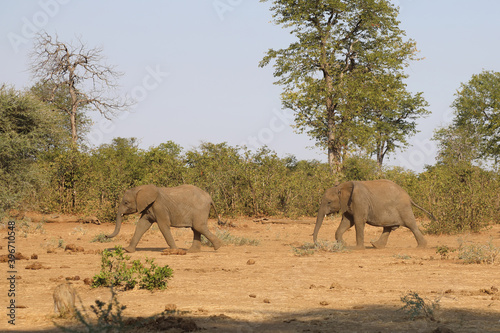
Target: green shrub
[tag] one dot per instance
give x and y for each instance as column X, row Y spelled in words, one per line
column 118, row 271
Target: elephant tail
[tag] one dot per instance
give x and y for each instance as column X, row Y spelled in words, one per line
column 428, row 213
column 219, row 221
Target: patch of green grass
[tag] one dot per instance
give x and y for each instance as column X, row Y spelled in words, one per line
column 402, row 256
column 101, row 238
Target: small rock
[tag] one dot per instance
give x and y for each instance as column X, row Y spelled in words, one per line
column 87, row 281
column 252, row 296
column 70, row 247
column 34, row 256
column 35, row 266
column 324, row 303
column 266, row 300
column 72, row 278
column 251, row 262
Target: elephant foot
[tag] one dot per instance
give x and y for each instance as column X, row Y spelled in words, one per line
column 378, row 245
column 217, row 245
column 422, row 244
column 129, row 249
column 194, row 250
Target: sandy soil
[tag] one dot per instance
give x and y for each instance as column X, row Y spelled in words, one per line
column 266, row 288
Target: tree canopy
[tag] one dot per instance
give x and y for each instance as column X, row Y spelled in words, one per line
column 347, row 53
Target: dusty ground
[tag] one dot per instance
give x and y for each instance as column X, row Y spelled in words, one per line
column 276, row 291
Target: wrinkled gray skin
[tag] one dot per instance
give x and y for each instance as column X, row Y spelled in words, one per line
column 380, row 203
column 184, row 206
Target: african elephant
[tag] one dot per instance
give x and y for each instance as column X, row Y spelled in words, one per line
column 380, row 203
column 184, row 206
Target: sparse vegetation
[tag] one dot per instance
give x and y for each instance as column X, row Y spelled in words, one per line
column 227, row 238
column 416, row 307
column 118, row 271
column 478, row 253
column 101, row 238
column 309, row 249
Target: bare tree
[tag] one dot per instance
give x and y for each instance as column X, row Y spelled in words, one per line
column 77, row 72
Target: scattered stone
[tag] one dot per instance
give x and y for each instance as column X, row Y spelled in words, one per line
column 87, row 281
column 335, row 285
column 252, row 296
column 34, row 256
column 168, row 252
column 72, row 278
column 324, row 303
column 74, row 248
column 35, row 266
column 17, row 256
column 251, row 262
column 266, row 300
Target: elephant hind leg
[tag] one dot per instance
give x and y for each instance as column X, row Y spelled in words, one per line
column 411, row 224
column 196, row 247
column 382, row 241
column 216, row 242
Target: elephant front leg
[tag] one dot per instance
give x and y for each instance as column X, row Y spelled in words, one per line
column 382, row 241
column 142, row 226
column 165, row 230
column 360, row 234
column 344, row 225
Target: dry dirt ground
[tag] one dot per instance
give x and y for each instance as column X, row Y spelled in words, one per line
column 265, row 288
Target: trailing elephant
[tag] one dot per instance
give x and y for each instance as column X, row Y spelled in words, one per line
column 380, row 203
column 184, row 206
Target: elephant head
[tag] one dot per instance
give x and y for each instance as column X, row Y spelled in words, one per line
column 335, row 199
column 135, row 200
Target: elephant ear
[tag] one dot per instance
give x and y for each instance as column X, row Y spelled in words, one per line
column 345, row 194
column 145, row 196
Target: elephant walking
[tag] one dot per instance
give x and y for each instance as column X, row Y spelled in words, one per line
column 379, row 203
column 184, row 206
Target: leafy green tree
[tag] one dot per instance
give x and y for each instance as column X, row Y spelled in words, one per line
column 477, row 111
column 389, row 116
column 343, row 48
column 28, row 130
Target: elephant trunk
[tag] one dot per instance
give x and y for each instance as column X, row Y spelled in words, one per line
column 119, row 219
column 319, row 222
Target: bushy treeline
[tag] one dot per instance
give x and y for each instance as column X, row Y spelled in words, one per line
column 242, row 182
column 40, row 170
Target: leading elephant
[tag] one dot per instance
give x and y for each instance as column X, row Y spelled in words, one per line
column 184, row 206
column 379, row 203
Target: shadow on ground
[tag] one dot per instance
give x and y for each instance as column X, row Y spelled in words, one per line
column 364, row 319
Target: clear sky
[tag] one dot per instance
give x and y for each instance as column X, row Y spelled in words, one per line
column 193, row 66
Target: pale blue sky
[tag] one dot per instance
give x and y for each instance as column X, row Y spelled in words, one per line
column 194, row 65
